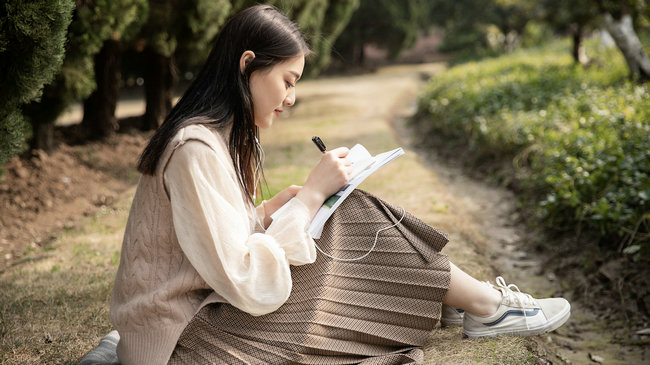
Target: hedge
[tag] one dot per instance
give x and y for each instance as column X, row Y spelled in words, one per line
column 577, row 138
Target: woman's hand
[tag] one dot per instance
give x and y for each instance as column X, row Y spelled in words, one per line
column 328, row 177
column 275, row 203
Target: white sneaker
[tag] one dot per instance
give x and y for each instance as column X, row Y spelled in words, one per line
column 519, row 315
column 451, row 317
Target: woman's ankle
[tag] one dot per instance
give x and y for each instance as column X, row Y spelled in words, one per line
column 487, row 307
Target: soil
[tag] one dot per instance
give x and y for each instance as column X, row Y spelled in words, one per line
column 43, row 194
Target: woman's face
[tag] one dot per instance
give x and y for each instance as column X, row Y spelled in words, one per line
column 274, row 89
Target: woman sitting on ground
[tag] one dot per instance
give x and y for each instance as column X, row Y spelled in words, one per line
column 202, row 269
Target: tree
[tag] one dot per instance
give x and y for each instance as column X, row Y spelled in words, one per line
column 335, row 18
column 32, row 38
column 92, row 24
column 464, row 22
column 322, row 22
column 175, row 29
column 467, row 23
column 125, row 17
column 619, row 19
column 391, row 25
column 511, row 17
column 575, row 18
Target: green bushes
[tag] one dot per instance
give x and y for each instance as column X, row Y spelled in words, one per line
column 578, row 138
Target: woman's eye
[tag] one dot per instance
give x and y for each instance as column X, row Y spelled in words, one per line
column 289, row 84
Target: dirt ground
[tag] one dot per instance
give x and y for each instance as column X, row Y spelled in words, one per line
column 43, row 195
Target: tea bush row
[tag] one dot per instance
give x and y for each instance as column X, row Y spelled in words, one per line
column 577, row 137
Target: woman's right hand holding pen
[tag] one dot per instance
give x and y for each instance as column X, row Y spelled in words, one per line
column 328, row 177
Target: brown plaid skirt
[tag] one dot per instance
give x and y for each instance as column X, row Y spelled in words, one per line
column 378, row 310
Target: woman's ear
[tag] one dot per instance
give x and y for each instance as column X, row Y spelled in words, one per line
column 245, row 59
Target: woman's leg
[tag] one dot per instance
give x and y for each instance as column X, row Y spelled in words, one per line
column 502, row 309
column 471, row 295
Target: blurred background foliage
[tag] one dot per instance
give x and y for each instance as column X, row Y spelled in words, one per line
column 570, row 112
column 573, row 141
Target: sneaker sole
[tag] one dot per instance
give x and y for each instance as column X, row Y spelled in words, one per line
column 551, row 325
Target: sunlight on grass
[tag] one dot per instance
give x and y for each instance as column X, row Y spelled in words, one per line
column 54, row 305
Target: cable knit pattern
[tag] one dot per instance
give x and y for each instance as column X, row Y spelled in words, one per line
column 193, row 238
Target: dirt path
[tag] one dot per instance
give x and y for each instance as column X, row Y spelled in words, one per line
column 486, row 238
column 371, row 109
column 64, row 282
column 498, row 235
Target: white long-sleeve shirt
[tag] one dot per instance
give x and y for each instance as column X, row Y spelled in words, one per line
column 193, row 238
column 250, row 270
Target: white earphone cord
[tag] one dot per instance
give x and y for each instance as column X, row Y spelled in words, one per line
column 371, row 248
column 318, row 248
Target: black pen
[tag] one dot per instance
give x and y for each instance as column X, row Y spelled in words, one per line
column 317, row 141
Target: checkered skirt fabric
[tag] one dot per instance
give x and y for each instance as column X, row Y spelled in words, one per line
column 378, row 310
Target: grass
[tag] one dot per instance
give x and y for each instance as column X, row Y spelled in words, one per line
column 54, row 305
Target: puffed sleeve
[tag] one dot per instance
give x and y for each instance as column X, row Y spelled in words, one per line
column 249, row 270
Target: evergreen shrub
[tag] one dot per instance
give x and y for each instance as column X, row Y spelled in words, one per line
column 578, row 138
column 32, row 39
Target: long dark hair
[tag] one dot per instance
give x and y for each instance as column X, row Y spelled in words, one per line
column 220, row 92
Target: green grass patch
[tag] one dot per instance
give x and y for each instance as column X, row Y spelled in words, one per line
column 47, row 316
column 575, row 139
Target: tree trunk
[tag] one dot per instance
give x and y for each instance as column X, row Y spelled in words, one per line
column 43, row 137
column 99, row 109
column 159, row 83
column 578, row 52
column 42, row 116
column 622, row 31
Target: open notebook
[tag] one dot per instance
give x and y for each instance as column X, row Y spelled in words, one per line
column 363, row 165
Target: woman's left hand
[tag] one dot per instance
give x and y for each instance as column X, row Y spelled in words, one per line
column 280, row 199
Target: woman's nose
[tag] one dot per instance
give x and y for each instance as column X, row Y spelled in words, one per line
column 291, row 97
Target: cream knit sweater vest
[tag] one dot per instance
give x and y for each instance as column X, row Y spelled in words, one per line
column 157, row 291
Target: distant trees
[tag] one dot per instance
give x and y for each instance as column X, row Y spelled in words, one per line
column 79, row 57
column 466, row 21
column 390, row 25
column 511, row 18
column 57, row 52
column 324, row 27
column 619, row 17
column 123, row 19
column 32, row 38
column 176, row 29
column 575, row 18
column 94, row 21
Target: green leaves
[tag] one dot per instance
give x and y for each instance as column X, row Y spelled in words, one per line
column 580, row 138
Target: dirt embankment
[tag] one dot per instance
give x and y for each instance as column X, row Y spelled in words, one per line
column 43, row 194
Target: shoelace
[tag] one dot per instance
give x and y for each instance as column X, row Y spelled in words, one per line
column 514, row 295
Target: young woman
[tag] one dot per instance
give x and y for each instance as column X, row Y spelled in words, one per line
column 203, row 271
